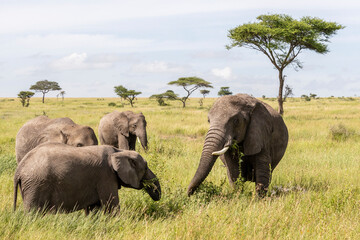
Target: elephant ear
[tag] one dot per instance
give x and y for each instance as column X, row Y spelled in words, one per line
column 53, row 135
column 121, row 123
column 258, row 131
column 130, row 167
column 63, row 137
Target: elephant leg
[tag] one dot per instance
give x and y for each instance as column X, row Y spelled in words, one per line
column 108, row 195
column 247, row 168
column 123, row 142
column 92, row 207
column 262, row 173
column 112, row 203
column 231, row 161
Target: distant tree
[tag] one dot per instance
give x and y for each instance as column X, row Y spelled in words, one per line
column 25, row 97
column 312, row 95
column 204, row 92
column 306, row 97
column 281, row 39
column 160, row 98
column 45, row 86
column 190, row 84
column 129, row 95
column 62, row 94
column 224, row 91
column 121, row 91
column 288, row 92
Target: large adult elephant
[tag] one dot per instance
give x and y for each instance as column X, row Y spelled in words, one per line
column 58, row 177
column 43, row 129
column 261, row 136
column 121, row 129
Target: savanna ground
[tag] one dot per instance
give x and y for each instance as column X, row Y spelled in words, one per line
column 314, row 194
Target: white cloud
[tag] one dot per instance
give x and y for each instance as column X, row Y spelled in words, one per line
column 78, row 61
column 224, row 73
column 156, row 67
column 27, row 71
column 96, row 43
column 29, row 16
column 100, row 42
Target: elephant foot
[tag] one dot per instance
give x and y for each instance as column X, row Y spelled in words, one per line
column 261, row 190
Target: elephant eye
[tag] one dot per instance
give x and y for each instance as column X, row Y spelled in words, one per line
column 79, row 145
column 133, row 163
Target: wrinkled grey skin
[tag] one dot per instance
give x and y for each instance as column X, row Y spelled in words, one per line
column 43, row 129
column 120, row 129
column 260, row 133
column 58, row 177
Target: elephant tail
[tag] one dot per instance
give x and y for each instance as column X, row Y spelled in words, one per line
column 16, row 183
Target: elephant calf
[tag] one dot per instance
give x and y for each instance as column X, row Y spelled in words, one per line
column 43, row 129
column 121, row 129
column 58, row 177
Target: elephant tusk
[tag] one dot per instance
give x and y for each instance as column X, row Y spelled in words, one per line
column 138, row 140
column 222, row 151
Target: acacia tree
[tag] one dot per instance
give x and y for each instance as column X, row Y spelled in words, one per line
column 25, row 97
column 204, row 92
column 44, row 87
column 62, row 94
column 224, row 91
column 282, row 38
column 190, row 84
column 160, row 98
column 120, row 90
column 129, row 95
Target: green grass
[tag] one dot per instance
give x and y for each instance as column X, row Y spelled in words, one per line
column 314, row 194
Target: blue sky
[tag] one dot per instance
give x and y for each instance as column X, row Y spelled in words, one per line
column 89, row 47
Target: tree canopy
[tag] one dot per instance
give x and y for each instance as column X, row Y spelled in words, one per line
column 129, row 95
column 62, row 94
column 204, row 92
column 25, row 97
column 282, row 38
column 44, row 87
column 190, row 84
column 160, row 98
column 224, row 91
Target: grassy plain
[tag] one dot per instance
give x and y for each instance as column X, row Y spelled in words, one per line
column 314, row 194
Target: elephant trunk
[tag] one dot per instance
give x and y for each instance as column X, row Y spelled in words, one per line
column 214, row 141
column 142, row 138
column 152, row 185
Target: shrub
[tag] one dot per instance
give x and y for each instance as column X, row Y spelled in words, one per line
column 112, row 104
column 207, row 191
column 340, row 132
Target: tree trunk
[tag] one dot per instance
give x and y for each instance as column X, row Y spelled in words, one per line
column 280, row 96
column 43, row 99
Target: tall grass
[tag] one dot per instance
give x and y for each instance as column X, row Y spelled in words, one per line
column 314, row 194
